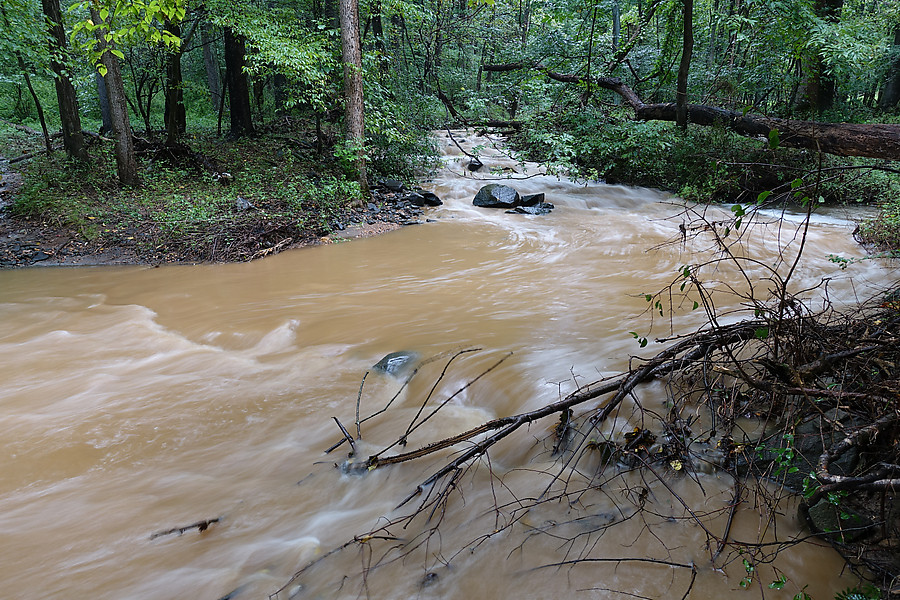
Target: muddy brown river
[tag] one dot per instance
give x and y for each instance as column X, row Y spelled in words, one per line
column 135, row 400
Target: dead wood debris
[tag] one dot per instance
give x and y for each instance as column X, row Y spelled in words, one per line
column 836, row 372
column 200, row 526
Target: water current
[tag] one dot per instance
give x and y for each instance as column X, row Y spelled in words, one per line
column 134, row 400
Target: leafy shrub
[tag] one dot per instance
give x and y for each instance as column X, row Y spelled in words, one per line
column 702, row 164
column 883, row 231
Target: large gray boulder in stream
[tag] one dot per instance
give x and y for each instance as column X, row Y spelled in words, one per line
column 495, row 195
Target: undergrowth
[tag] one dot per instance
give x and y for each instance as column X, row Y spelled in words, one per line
column 281, row 185
column 883, row 231
column 703, row 164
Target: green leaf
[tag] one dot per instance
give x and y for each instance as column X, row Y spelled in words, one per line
column 761, row 333
column 762, row 196
column 796, row 183
column 118, row 53
column 773, row 139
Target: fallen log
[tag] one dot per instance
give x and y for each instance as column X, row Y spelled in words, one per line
column 870, row 140
column 24, row 128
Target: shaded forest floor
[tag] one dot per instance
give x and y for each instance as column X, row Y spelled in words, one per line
column 204, row 201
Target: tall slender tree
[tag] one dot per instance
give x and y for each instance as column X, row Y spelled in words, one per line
column 23, row 68
column 687, row 49
column 211, row 64
column 69, row 117
column 238, row 85
column 175, row 112
column 351, row 52
column 126, row 164
column 890, row 93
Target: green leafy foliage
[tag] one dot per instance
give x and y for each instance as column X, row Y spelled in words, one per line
column 883, row 230
column 865, row 592
column 122, row 22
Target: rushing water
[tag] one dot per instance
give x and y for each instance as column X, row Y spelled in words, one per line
column 134, row 400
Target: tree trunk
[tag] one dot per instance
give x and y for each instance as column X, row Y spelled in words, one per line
column 818, row 87
column 238, row 86
column 211, row 64
column 842, row 139
column 103, row 100
column 378, row 34
column 353, row 86
column 279, row 85
column 687, row 48
column 890, row 94
column 175, row 113
column 126, row 165
column 37, row 103
column 69, row 117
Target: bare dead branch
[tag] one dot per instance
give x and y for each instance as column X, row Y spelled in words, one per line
column 200, row 526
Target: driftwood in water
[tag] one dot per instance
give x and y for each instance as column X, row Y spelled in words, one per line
column 199, row 526
column 843, row 139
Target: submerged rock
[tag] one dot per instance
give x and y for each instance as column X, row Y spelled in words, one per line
column 495, row 195
column 538, row 209
column 533, row 199
column 397, row 363
column 837, row 522
column 422, row 198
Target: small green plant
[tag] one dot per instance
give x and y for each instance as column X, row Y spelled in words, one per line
column 802, row 595
column 883, row 231
column 783, row 457
column 866, row 592
column 748, row 578
column 811, row 486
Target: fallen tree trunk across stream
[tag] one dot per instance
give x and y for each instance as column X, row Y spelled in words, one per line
column 871, row 140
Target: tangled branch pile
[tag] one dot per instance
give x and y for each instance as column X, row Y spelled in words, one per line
column 790, row 405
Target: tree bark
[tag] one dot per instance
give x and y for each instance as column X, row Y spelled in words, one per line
column 211, row 64
column 378, row 34
column 175, row 113
column 684, row 67
column 818, row 87
column 890, row 94
column 70, row 119
column 842, row 139
column 24, row 69
column 103, row 100
column 126, row 165
column 238, row 86
column 351, row 52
